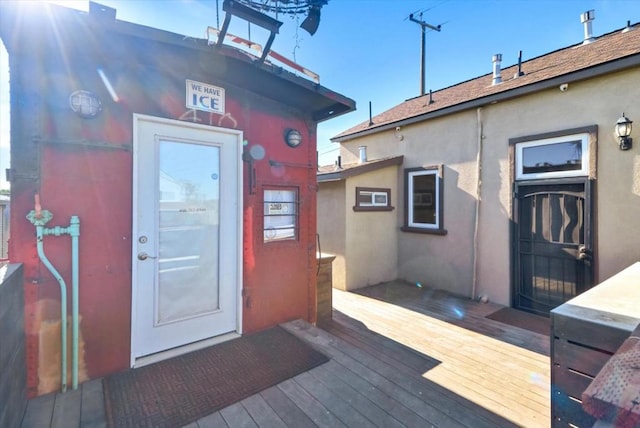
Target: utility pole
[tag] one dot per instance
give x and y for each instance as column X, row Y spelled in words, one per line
column 423, row 58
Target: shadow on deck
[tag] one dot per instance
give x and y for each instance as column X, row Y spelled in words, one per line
column 402, row 357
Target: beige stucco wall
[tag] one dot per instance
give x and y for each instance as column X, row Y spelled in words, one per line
column 371, row 237
column 364, row 243
column 331, row 227
column 447, row 261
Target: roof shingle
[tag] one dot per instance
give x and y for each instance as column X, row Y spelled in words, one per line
column 606, row 48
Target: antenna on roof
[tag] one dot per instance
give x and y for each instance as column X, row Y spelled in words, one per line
column 370, row 116
column 423, row 25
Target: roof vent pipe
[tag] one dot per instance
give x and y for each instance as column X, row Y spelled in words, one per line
column 363, row 154
column 586, row 19
column 519, row 72
column 496, row 59
column 628, row 27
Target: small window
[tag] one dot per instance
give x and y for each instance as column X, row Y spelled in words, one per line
column 423, row 202
column 559, row 157
column 280, row 214
column 372, row 199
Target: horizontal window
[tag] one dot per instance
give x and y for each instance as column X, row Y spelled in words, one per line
column 372, row 199
column 559, row 157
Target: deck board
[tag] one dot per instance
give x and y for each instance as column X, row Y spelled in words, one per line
column 288, row 411
column 400, row 356
column 261, row 412
column 92, row 409
column 236, row 416
column 66, row 410
column 39, row 411
column 213, row 420
column 348, row 394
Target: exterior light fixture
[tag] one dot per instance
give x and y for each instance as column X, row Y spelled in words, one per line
column 85, row 104
column 623, row 132
column 292, row 137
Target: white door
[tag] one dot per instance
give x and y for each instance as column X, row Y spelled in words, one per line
column 186, row 233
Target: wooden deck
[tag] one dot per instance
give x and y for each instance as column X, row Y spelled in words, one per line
column 406, row 357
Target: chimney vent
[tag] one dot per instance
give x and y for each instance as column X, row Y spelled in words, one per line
column 586, row 19
column 363, row 154
column 496, row 59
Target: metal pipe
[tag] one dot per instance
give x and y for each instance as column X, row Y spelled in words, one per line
column 476, row 220
column 40, row 232
column 39, row 218
column 74, row 232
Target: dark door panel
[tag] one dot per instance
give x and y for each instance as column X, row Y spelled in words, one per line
column 552, row 252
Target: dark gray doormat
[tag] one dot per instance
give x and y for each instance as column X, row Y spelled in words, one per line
column 522, row 319
column 181, row 390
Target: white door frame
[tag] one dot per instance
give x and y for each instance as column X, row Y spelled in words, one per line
column 137, row 118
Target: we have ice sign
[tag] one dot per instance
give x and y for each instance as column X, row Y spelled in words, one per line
column 201, row 96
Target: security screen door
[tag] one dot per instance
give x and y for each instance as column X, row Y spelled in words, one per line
column 553, row 250
column 186, row 234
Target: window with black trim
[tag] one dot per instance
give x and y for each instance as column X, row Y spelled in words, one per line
column 372, row 199
column 280, row 214
column 423, row 200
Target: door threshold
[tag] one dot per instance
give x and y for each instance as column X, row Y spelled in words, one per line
column 174, row 352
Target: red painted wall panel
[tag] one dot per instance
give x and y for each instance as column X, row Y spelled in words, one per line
column 84, row 168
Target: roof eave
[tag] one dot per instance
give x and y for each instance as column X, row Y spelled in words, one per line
column 360, row 169
column 587, row 73
column 320, row 102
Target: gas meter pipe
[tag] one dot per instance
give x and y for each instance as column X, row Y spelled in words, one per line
column 39, row 218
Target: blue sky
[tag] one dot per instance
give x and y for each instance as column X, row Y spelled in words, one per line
column 368, row 50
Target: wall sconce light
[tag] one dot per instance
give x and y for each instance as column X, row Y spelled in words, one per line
column 398, row 133
column 623, row 132
column 85, row 104
column 292, row 137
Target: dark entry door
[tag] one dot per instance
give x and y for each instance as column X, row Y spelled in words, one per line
column 553, row 251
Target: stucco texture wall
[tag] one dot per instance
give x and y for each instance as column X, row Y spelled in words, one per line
column 331, row 227
column 441, row 261
column 371, row 238
column 447, row 261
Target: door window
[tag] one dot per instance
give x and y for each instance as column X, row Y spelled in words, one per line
column 189, row 222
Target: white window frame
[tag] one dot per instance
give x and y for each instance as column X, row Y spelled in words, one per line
column 435, row 199
column 373, row 199
column 584, row 171
column 287, row 197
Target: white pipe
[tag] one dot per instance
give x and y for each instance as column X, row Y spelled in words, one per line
column 474, row 286
column 497, row 77
column 586, row 19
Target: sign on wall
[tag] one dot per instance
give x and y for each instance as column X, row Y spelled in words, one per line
column 201, row 96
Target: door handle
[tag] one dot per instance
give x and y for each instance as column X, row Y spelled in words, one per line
column 583, row 253
column 145, row 256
